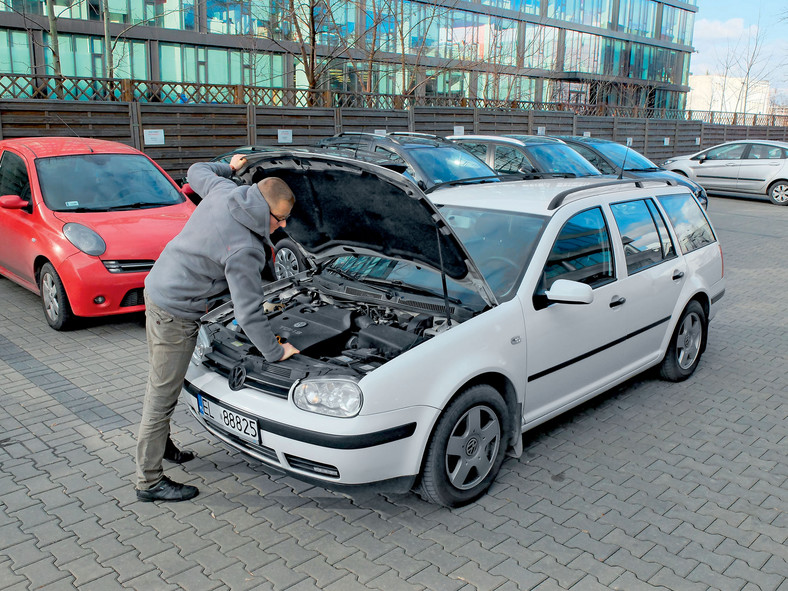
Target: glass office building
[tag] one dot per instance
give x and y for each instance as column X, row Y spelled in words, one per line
column 616, row 52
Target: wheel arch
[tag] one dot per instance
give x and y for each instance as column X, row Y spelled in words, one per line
column 38, row 263
column 504, row 386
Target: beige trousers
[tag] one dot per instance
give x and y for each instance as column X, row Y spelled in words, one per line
column 171, row 341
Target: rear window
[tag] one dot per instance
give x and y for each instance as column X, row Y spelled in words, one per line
column 689, row 222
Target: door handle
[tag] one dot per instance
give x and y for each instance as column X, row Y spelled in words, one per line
column 617, row 301
column 677, row 275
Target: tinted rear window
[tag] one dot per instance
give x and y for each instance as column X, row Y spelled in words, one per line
column 689, row 222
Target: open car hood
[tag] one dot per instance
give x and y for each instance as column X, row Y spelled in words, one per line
column 346, row 206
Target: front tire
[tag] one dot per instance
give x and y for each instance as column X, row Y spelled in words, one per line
column 466, row 449
column 686, row 345
column 778, row 193
column 288, row 259
column 54, row 300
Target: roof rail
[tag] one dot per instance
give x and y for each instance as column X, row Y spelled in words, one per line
column 558, row 200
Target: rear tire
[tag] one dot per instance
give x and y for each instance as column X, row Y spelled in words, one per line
column 466, row 449
column 686, row 345
column 778, row 193
column 54, row 300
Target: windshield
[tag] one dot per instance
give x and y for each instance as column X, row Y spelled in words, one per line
column 562, row 159
column 619, row 155
column 448, row 163
column 104, row 182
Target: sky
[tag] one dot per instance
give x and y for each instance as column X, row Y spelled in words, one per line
column 722, row 30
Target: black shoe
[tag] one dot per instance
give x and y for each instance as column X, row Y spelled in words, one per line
column 173, row 454
column 167, row 490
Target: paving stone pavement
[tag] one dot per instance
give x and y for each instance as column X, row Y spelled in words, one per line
column 650, row 486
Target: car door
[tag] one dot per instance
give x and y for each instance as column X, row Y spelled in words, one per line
column 17, row 226
column 760, row 164
column 574, row 350
column 655, row 276
column 718, row 168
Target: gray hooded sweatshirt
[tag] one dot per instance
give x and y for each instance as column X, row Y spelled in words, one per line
column 223, row 244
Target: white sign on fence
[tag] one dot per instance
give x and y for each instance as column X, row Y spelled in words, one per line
column 459, row 130
column 284, row 136
column 153, row 137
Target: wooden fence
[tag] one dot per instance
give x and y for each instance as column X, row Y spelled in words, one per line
column 195, row 132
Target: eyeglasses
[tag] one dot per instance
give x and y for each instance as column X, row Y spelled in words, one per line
column 278, row 218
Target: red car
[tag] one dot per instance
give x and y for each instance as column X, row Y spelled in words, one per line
column 82, row 222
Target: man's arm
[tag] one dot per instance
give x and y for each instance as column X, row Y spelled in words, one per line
column 243, row 271
column 204, row 177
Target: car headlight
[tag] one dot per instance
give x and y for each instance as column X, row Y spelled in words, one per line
column 339, row 397
column 84, row 239
column 202, row 347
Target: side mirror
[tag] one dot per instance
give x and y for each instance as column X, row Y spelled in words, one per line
column 702, row 158
column 13, row 202
column 570, row 292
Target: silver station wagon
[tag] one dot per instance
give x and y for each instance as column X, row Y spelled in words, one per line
column 432, row 336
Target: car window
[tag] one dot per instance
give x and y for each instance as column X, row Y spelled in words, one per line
column 690, row 224
column 99, row 182
column 560, row 158
column 763, row 151
column 13, row 176
column 510, row 160
column 729, row 152
column 501, row 243
column 581, row 252
column 447, row 163
column 478, row 150
column 595, row 159
column 643, row 234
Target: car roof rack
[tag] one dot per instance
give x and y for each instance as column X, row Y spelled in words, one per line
column 558, row 200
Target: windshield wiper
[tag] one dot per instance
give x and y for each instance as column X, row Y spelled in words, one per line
column 137, row 205
column 651, row 169
column 468, row 181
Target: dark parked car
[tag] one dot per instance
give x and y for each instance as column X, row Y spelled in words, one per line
column 428, row 160
column 610, row 157
column 533, row 156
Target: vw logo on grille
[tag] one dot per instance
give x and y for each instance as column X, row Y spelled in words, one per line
column 237, row 377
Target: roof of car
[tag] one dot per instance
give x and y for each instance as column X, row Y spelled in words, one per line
column 584, row 139
column 517, row 140
column 541, row 197
column 41, row 147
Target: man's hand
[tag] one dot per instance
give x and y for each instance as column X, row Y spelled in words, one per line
column 237, row 162
column 290, row 350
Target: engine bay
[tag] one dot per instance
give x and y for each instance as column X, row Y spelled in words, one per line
column 331, row 331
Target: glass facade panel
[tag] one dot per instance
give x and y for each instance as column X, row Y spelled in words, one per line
column 524, row 6
column 637, row 17
column 677, row 25
column 14, row 52
column 595, row 13
column 583, row 53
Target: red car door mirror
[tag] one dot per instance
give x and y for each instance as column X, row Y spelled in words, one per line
column 13, row 202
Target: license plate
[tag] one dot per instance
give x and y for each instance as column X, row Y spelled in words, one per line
column 236, row 423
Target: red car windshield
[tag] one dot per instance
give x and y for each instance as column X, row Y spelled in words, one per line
column 104, row 182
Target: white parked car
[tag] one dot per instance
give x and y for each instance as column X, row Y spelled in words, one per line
column 758, row 167
column 433, row 336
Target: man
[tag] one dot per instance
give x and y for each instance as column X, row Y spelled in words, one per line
column 224, row 245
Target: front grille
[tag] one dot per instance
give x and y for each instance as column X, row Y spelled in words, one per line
column 133, row 297
column 131, row 266
column 253, row 379
column 311, row 466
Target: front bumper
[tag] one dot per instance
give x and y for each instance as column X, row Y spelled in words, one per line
column 85, row 278
column 373, row 450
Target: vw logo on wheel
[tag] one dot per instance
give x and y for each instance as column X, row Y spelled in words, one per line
column 237, row 377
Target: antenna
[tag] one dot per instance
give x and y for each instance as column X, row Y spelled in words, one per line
column 621, row 172
column 71, row 130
